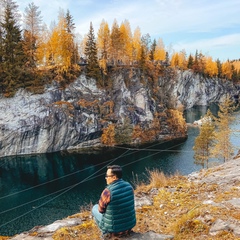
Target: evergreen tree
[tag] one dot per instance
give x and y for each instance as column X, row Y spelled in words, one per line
column 13, row 58
column 152, row 50
column 190, row 62
column 92, row 69
column 73, row 48
column 123, row 132
column 144, row 51
column 204, row 140
column 219, row 66
column 222, row 147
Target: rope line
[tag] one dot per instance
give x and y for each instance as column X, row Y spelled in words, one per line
column 70, row 174
column 85, row 180
column 65, row 191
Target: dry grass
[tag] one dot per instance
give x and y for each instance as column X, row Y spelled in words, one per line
column 177, row 209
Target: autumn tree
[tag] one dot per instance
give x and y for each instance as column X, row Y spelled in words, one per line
column 32, row 32
column 227, row 70
column 125, row 42
column 160, row 53
column 136, row 41
column 222, row 146
column 103, row 45
column 204, row 141
column 92, row 69
column 211, row 68
column 108, row 136
column 116, row 43
column 176, row 122
column 175, row 59
column 198, row 63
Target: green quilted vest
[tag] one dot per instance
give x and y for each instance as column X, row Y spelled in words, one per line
column 120, row 212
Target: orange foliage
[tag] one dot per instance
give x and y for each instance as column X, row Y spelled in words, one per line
column 109, row 105
column 151, row 133
column 227, row 70
column 108, row 136
column 87, row 104
column 211, row 68
column 160, row 53
column 63, row 103
column 176, row 121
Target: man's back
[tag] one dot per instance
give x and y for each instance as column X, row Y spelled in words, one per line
column 120, row 212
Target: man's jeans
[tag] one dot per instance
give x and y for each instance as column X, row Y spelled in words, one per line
column 97, row 215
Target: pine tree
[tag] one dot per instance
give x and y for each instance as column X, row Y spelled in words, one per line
column 13, row 58
column 204, row 140
column 152, row 50
column 144, row 51
column 190, row 62
column 92, row 69
column 73, row 48
column 219, row 66
column 222, row 147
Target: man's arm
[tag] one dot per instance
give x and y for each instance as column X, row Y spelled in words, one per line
column 104, row 200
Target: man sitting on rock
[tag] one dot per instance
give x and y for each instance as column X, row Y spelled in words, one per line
column 115, row 212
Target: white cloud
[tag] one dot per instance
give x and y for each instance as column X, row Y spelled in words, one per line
column 181, row 19
column 219, row 42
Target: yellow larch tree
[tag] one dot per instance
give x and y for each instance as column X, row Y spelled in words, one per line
column 136, row 41
column 222, row 146
column 52, row 47
column 179, row 60
column 211, row 68
column 227, row 70
column 103, row 45
column 160, row 52
column 116, row 44
column 65, row 43
column 56, row 49
column 175, row 60
column 182, row 60
column 43, row 49
column 126, row 40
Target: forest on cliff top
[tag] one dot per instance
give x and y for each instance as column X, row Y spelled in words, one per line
column 33, row 54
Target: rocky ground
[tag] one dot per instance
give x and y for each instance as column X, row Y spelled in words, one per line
column 202, row 205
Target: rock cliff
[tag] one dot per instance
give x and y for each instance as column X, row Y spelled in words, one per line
column 71, row 118
column 192, row 89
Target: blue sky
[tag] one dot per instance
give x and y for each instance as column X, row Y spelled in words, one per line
column 210, row 26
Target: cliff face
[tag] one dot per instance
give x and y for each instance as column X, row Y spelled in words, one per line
column 69, row 118
column 74, row 117
column 191, row 89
